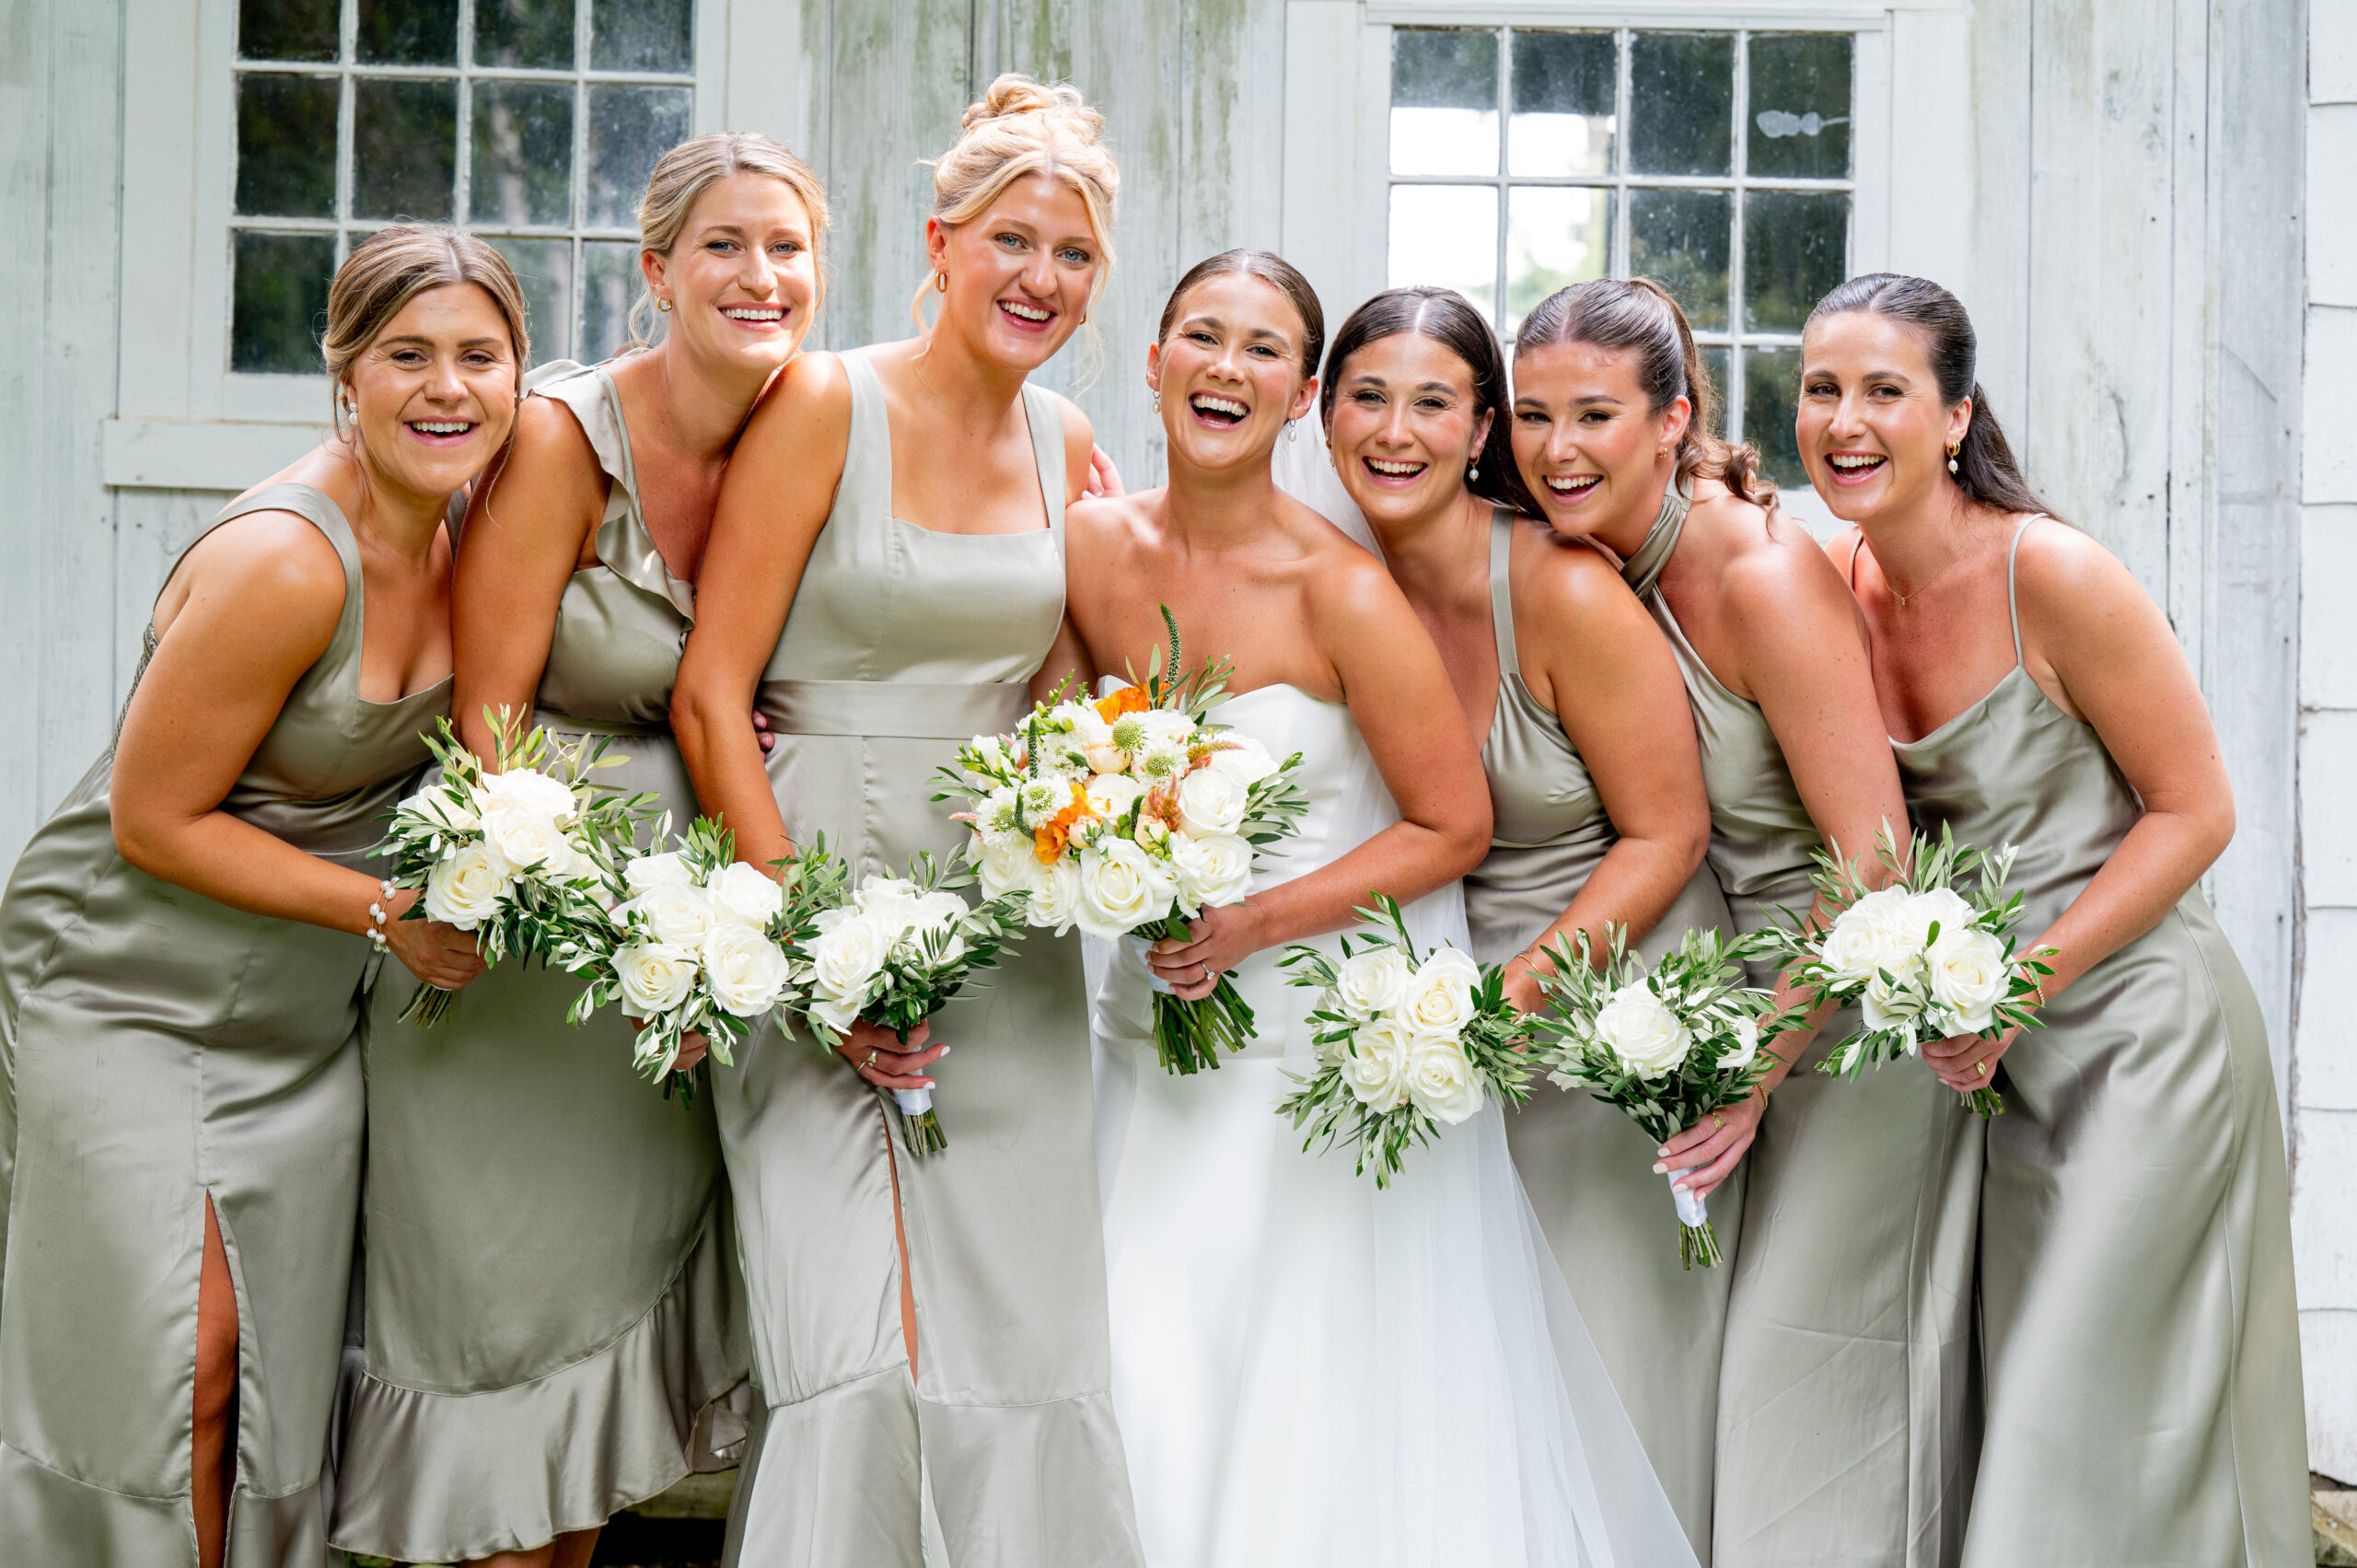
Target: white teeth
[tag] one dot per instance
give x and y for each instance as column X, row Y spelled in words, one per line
column 1566, row 484
column 1396, row 469
column 1027, row 312
column 754, row 312
column 441, row 426
column 1854, row 464
column 1209, row 405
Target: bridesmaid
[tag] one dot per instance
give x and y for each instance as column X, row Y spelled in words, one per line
column 2141, row 1360
column 1598, row 800
column 183, row 949
column 1817, row 1455
column 886, row 580
column 504, row 1411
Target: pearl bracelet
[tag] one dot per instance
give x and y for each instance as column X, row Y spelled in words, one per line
column 376, row 918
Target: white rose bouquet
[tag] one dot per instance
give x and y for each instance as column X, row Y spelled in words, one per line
column 1128, row 817
column 695, row 941
column 507, row 855
column 894, row 953
column 1669, row 1045
column 1929, row 956
column 1404, row 1044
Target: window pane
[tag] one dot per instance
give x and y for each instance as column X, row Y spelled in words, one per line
column 1795, row 247
column 1800, row 105
column 408, row 32
column 608, row 284
column 1714, row 369
column 286, row 146
column 544, row 268
column 287, row 30
column 404, row 147
column 641, row 35
column 523, row 152
column 1556, row 235
column 533, row 33
column 1564, row 87
column 1681, row 240
column 630, row 128
column 1771, row 380
column 1443, row 101
column 279, row 301
column 1681, row 103
column 1448, row 235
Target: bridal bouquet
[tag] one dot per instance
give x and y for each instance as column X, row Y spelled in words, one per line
column 1669, row 1045
column 1128, row 817
column 1404, row 1044
column 894, row 953
column 507, row 855
column 1928, row 956
column 695, row 941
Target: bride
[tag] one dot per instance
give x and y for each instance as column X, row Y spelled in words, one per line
column 1308, row 1370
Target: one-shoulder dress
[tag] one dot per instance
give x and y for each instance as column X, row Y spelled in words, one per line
column 551, row 1305
column 163, row 1049
column 901, row 643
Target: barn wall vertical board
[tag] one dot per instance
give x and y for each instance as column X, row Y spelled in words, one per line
column 1995, row 182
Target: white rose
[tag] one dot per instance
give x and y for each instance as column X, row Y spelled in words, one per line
column 1241, row 759
column 1121, row 888
column 1210, row 803
column 524, row 790
column 1167, row 726
column 433, row 806
column 1109, row 794
column 1870, row 935
column 745, row 970
column 1083, row 722
column 1884, row 1007
column 656, row 871
column 655, row 976
column 1441, row 1080
column 742, row 895
column 679, row 913
column 937, row 910
column 891, row 896
column 1055, row 899
column 1969, row 975
column 1439, row 995
column 1371, row 981
column 1943, row 905
column 1648, row 1037
column 1745, row 1029
column 1211, row 871
column 1376, row 1067
column 835, row 1015
column 1007, row 864
column 527, row 838
column 846, row 957
column 466, row 890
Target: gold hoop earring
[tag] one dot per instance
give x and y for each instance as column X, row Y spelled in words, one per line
column 940, row 280
column 664, row 306
column 1954, row 447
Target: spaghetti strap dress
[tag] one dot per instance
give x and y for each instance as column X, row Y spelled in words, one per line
column 2141, row 1346
column 901, row 643
column 1843, row 1389
column 1588, row 1168
column 163, row 1049
column 550, row 1303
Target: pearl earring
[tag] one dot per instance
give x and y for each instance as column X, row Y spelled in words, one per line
column 1472, row 471
column 1953, row 450
column 1156, row 392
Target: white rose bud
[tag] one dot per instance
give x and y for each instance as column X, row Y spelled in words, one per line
column 743, row 969
column 656, row 871
column 1121, row 888
column 1055, row 900
column 1241, row 759
column 655, row 976
column 1883, row 1007
column 1210, row 804
column 524, row 790
column 1439, row 995
column 833, row 1014
column 743, row 894
column 466, row 890
column 1371, row 981
column 1648, row 1037
column 1212, row 870
column 1969, row 976
column 1441, row 1080
column 1745, row 1029
column 527, row 838
column 891, row 896
column 1377, row 1068
column 1944, row 906
column 679, row 913
column 845, row 959
column 1868, row 937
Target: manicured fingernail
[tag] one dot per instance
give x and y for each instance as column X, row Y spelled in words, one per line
column 1662, row 1152
column 1661, row 1170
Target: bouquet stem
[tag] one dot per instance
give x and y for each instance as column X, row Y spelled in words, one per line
column 1188, row 1035
column 683, row 1085
column 920, row 1128
column 1698, row 1241
column 1985, row 1103
column 427, row 1005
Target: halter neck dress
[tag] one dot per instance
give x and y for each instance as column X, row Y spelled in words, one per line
column 1588, row 1168
column 160, row 1049
column 551, row 1304
column 901, row 643
column 2140, row 1345
column 1858, row 1456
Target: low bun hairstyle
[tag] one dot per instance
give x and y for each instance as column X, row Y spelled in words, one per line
column 394, row 266
column 1639, row 313
column 689, row 169
column 1448, row 318
column 1985, row 467
column 1270, row 269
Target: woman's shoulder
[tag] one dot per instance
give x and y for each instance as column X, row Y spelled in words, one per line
column 1563, row 581
column 2063, row 574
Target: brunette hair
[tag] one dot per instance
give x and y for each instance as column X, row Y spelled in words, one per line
column 689, row 169
column 1985, row 467
column 394, row 266
column 1639, row 313
column 1270, row 269
column 1448, row 318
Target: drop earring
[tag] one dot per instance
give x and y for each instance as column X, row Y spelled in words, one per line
column 940, row 282
column 1293, row 430
column 1954, row 448
column 1472, row 472
column 1155, row 393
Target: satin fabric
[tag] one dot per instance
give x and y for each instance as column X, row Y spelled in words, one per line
column 901, row 643
column 551, row 1301
column 1588, row 1168
column 2141, row 1344
column 164, row 1048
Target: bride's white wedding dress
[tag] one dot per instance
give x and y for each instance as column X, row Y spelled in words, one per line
column 1308, row 1370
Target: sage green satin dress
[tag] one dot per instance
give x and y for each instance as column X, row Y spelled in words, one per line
column 901, row 643
column 1588, row 1168
column 552, row 1302
column 1843, row 1389
column 2141, row 1346
column 165, row 1049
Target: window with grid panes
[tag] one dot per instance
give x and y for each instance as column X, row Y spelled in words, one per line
column 532, row 123
column 1718, row 163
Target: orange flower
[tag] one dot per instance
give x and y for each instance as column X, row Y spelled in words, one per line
column 1048, row 841
column 1122, row 700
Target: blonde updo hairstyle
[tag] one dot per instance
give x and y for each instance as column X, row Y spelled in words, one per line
column 1023, row 127
column 394, row 266
column 689, row 169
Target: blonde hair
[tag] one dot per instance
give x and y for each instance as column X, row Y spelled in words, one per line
column 394, row 266
column 689, row 169
column 1023, row 127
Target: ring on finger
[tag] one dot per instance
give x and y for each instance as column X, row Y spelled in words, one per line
column 1982, row 1067
column 1203, row 973
column 869, row 1062
column 1718, row 1120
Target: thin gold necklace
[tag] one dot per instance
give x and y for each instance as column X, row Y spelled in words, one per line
column 1937, row 578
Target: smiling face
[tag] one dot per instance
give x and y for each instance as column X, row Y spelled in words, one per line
column 1230, row 373
column 1873, row 429
column 743, row 278
column 434, row 392
column 1020, row 272
column 1588, row 447
column 1406, row 426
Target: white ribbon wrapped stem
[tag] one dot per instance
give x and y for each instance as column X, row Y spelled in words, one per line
column 912, row 1102
column 1141, row 945
column 1692, row 1208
